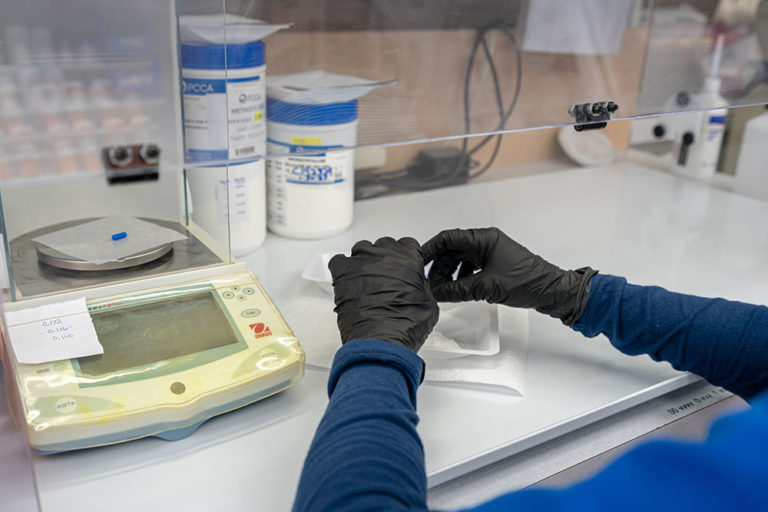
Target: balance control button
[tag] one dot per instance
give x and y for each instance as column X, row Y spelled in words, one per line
column 269, row 359
column 228, row 295
column 48, row 369
column 242, row 298
column 250, row 313
column 235, row 288
column 270, row 364
column 268, row 353
column 248, row 290
column 178, row 388
column 35, row 384
column 65, row 405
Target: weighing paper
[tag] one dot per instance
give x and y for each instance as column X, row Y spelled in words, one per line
column 309, row 312
column 92, row 241
column 319, row 87
column 207, row 29
column 52, row 332
column 501, row 372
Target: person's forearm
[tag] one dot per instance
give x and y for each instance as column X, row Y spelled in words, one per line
column 725, row 342
column 366, row 454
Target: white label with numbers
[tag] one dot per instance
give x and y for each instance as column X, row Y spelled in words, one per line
column 52, row 332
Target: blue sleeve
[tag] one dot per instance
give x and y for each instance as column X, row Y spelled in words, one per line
column 725, row 342
column 366, row 454
column 728, row 471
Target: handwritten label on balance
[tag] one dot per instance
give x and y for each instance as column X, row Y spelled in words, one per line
column 52, row 332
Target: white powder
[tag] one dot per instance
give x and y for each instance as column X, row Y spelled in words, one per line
column 439, row 340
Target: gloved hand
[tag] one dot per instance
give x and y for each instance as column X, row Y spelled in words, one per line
column 381, row 292
column 508, row 274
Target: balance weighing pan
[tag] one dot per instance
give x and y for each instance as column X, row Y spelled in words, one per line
column 38, row 270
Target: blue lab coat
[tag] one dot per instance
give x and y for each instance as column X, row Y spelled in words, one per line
column 367, row 455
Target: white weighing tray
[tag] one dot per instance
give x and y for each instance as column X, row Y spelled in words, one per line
column 317, row 271
column 466, row 329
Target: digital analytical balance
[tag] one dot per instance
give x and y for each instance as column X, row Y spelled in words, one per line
column 175, row 355
column 186, row 332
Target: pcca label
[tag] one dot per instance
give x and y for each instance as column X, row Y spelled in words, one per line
column 224, row 119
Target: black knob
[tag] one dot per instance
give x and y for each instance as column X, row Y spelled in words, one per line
column 683, row 99
column 659, row 131
column 119, row 156
column 682, row 156
column 150, row 153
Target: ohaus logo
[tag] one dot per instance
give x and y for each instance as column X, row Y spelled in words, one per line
column 260, row 330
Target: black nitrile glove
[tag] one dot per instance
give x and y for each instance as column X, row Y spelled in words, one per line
column 508, row 274
column 381, row 292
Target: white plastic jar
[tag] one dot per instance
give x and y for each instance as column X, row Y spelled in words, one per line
column 229, row 204
column 225, row 141
column 310, row 190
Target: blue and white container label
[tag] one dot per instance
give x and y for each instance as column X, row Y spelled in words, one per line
column 297, row 180
column 232, row 199
column 224, row 119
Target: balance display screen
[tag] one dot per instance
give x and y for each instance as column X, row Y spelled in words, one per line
column 147, row 333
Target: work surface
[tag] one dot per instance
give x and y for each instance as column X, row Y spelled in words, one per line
column 626, row 220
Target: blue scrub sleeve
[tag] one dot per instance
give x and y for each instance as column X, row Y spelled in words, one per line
column 726, row 472
column 726, row 342
column 366, row 454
